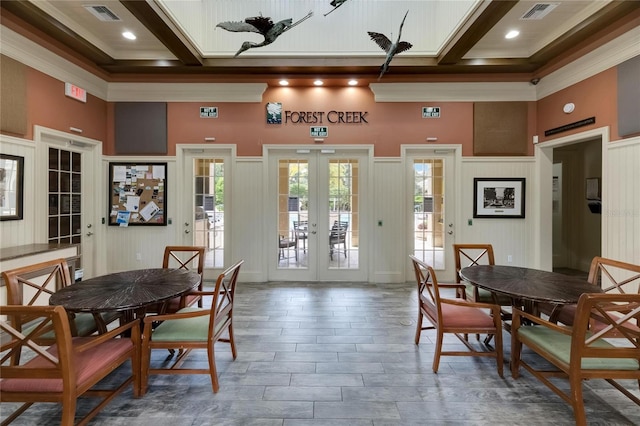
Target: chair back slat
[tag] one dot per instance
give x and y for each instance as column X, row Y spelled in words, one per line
column 614, row 276
column 43, row 320
column 614, row 334
column 28, row 284
column 471, row 255
column 189, row 258
column 224, row 294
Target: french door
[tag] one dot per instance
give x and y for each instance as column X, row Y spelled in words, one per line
column 318, row 197
column 206, row 174
column 431, row 206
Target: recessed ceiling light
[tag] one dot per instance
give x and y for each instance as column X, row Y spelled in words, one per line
column 353, row 82
column 129, row 35
column 512, row 34
column 318, row 83
column 283, row 83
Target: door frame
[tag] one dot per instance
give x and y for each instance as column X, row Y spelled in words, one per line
column 92, row 205
column 543, row 154
column 365, row 208
column 185, row 214
column 453, row 152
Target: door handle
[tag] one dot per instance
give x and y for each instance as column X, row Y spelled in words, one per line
column 450, row 232
column 314, row 232
column 89, row 234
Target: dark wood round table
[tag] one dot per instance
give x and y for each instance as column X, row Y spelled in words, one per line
column 528, row 284
column 125, row 291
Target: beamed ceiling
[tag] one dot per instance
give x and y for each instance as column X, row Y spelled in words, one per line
column 453, row 40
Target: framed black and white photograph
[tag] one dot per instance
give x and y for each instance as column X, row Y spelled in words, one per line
column 498, row 198
column 11, row 186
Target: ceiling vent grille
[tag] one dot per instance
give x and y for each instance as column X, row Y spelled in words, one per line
column 103, row 13
column 538, row 11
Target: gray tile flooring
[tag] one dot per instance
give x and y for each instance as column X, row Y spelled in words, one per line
column 339, row 354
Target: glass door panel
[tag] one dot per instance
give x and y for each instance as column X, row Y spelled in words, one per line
column 208, row 229
column 64, row 193
column 317, row 217
column 431, row 178
column 428, row 224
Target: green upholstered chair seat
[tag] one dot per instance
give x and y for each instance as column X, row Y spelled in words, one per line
column 484, row 296
column 185, row 329
column 85, row 324
column 559, row 345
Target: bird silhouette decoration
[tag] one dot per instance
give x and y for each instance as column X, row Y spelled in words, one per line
column 261, row 25
column 391, row 48
column 336, row 4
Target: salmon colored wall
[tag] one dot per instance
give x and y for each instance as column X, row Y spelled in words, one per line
column 48, row 106
column 389, row 124
column 593, row 97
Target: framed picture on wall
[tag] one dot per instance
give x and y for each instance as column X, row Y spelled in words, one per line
column 11, row 186
column 498, row 198
column 137, row 194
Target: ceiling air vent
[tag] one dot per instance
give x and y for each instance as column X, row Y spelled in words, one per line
column 538, row 11
column 103, row 13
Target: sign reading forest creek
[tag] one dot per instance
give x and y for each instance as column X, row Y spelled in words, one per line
column 320, row 117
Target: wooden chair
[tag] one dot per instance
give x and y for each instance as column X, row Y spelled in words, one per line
column 32, row 285
column 455, row 316
column 476, row 254
column 612, row 276
column 193, row 328
column 337, row 236
column 68, row 369
column 187, row 258
column 581, row 352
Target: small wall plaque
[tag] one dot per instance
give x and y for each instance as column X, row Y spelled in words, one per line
column 208, row 112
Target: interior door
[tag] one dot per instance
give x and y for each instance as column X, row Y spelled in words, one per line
column 66, row 194
column 431, row 206
column 317, row 197
column 206, row 174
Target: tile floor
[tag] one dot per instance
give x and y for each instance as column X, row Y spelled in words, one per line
column 340, row 354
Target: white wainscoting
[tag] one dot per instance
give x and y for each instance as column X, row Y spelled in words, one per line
column 621, row 197
column 21, row 232
column 509, row 237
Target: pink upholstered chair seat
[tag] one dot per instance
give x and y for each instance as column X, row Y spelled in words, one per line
column 87, row 364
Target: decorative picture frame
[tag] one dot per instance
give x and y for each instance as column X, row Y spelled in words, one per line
column 11, row 187
column 499, row 198
column 137, row 194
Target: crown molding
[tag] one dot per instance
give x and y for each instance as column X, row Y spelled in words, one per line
column 454, row 92
column 186, row 92
column 37, row 57
column 601, row 59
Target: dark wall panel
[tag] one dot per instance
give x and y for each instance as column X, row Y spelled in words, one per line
column 141, row 128
column 629, row 97
column 500, row 128
column 13, row 96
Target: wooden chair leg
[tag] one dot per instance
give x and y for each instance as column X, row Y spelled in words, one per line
column 577, row 401
column 436, row 355
column 418, row 328
column 212, row 369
